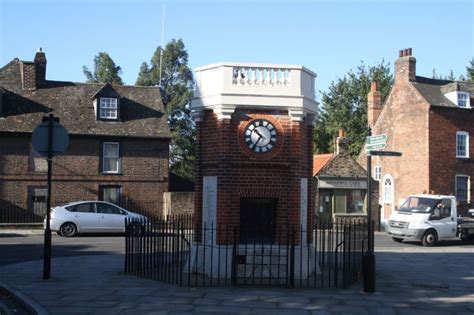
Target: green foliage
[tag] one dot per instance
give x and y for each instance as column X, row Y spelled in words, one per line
column 470, row 71
column 344, row 106
column 105, row 70
column 450, row 77
column 176, row 88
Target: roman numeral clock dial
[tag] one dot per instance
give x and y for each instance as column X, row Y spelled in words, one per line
column 260, row 136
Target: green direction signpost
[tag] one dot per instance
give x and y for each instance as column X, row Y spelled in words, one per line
column 377, row 142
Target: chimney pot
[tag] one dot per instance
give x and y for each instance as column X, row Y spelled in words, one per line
column 373, row 87
column 405, row 68
column 341, row 133
column 400, row 53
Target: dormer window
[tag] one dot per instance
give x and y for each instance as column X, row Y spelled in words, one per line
column 463, row 100
column 107, row 103
column 108, row 108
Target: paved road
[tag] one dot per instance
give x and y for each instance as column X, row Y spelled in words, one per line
column 18, row 248
column 411, row 279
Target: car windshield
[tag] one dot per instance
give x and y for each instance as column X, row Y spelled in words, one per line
column 419, row 205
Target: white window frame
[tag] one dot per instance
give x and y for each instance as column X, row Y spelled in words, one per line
column 108, row 105
column 377, row 172
column 462, row 133
column 463, row 97
column 392, row 189
column 104, row 157
column 468, row 193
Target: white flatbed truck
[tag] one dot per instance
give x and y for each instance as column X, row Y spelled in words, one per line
column 429, row 219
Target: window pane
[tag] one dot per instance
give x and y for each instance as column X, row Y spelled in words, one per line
column 110, row 164
column 84, row 207
column 339, row 201
column 461, row 144
column 388, row 191
column 108, row 108
column 105, row 208
column 355, row 201
column 461, row 188
column 111, row 194
column 111, row 149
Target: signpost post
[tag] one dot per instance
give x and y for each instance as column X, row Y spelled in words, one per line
column 374, row 143
column 48, row 139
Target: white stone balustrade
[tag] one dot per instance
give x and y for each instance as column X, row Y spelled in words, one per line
column 223, row 87
column 261, row 76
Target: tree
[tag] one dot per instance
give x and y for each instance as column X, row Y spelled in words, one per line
column 344, row 106
column 449, row 77
column 176, row 91
column 470, row 71
column 105, row 70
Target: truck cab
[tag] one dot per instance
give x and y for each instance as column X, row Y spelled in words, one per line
column 425, row 218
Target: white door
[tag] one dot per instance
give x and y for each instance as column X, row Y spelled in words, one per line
column 387, row 197
column 445, row 223
column 112, row 219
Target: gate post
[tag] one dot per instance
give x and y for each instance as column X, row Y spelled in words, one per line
column 292, row 258
column 234, row 259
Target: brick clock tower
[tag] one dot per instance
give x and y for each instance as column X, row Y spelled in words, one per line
column 254, row 125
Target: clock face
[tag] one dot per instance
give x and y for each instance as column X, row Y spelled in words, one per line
column 260, row 136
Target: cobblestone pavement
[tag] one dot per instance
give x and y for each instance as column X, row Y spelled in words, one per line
column 415, row 280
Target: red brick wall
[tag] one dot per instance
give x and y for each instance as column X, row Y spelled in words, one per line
column 76, row 173
column 444, row 123
column 404, row 119
column 241, row 174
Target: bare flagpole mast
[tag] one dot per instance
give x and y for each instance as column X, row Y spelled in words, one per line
column 162, row 36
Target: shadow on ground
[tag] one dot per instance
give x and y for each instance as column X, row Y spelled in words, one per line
column 16, row 253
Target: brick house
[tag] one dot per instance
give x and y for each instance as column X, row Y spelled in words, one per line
column 118, row 149
column 431, row 122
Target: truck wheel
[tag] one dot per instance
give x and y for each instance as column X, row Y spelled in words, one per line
column 397, row 239
column 430, row 238
column 465, row 236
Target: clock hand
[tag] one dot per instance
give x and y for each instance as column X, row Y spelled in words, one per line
column 258, row 133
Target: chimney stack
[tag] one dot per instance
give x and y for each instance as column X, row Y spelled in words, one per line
column 40, row 67
column 405, row 66
column 374, row 105
column 33, row 74
column 342, row 143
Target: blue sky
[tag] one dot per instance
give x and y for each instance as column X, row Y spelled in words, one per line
column 329, row 37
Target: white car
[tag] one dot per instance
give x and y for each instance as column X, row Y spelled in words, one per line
column 92, row 217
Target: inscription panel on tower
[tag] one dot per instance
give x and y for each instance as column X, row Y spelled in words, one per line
column 209, row 208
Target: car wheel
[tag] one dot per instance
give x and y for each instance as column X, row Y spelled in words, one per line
column 430, row 238
column 136, row 229
column 397, row 239
column 68, row 229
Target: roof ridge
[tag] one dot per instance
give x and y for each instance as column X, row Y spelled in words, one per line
column 103, row 84
column 425, row 80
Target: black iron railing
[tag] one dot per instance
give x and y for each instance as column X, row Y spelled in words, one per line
column 170, row 249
